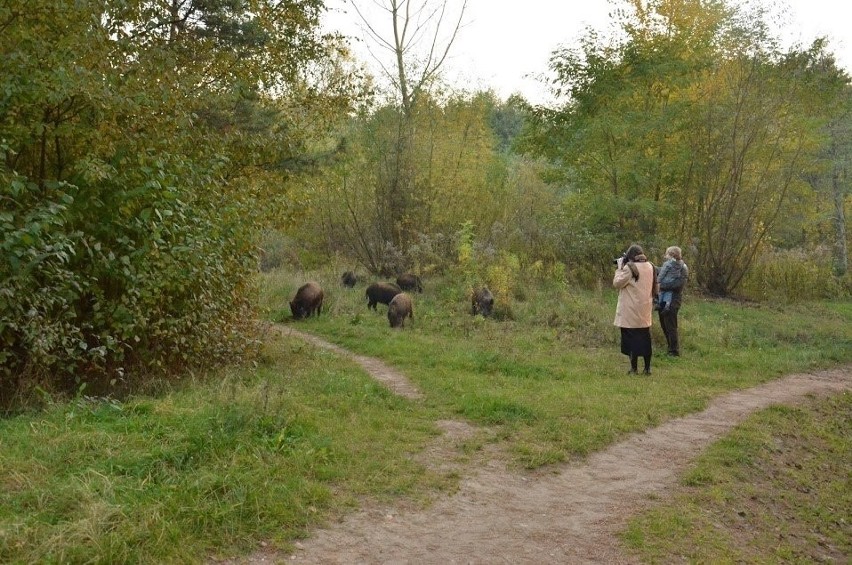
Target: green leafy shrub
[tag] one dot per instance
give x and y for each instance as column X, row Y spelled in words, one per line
column 467, row 261
column 154, row 282
column 502, row 278
column 138, row 162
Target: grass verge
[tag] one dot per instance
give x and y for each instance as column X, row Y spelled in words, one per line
column 777, row 489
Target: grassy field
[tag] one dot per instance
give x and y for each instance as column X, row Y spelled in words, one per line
column 214, row 467
column 551, row 376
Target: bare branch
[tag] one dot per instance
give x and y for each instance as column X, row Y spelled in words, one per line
column 371, row 30
column 413, row 23
column 428, row 74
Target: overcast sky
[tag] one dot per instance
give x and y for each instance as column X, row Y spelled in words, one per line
column 504, row 44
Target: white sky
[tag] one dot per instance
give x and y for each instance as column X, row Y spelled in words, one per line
column 504, row 44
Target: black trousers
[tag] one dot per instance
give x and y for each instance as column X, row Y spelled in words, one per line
column 668, row 321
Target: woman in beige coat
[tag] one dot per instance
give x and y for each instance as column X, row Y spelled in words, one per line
column 635, row 280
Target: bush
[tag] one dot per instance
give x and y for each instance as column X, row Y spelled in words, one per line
column 132, row 180
column 794, row 275
column 154, row 283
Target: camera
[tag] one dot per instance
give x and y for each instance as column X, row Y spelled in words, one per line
column 617, row 259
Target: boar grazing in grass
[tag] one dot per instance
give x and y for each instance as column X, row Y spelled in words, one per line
column 381, row 292
column 399, row 309
column 308, row 300
column 482, row 302
column 348, row 279
column 409, row 281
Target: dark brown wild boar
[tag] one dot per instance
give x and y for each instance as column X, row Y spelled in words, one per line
column 409, row 281
column 381, row 292
column 482, row 302
column 398, row 309
column 308, row 300
column 348, row 279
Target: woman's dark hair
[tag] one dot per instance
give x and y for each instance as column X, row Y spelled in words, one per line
column 634, row 251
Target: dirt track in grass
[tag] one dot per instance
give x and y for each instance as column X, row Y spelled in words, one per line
column 570, row 513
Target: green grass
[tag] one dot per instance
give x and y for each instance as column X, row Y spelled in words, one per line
column 214, row 467
column 208, row 469
column 552, row 377
column 777, row 489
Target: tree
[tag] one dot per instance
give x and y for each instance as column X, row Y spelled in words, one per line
column 417, row 48
column 507, row 119
column 458, row 177
column 139, row 140
column 689, row 127
column 412, row 25
column 839, row 152
column 748, row 141
column 830, row 175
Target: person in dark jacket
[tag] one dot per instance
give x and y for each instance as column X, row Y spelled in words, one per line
column 672, row 279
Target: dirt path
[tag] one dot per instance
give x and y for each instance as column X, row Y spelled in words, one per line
column 568, row 515
column 385, row 374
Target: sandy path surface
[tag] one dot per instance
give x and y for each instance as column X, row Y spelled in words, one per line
column 569, row 514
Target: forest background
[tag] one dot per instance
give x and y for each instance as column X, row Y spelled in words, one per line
column 155, row 155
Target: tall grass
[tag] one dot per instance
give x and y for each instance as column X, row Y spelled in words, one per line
column 795, row 276
column 209, row 469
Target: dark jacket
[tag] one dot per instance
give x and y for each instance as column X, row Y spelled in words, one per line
column 672, row 277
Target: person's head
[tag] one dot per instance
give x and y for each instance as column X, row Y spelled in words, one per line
column 674, row 252
column 634, row 251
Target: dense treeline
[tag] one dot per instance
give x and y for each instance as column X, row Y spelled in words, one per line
column 687, row 125
column 694, row 128
column 142, row 144
column 146, row 146
column 457, row 174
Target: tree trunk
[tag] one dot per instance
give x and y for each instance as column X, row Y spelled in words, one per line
column 841, row 256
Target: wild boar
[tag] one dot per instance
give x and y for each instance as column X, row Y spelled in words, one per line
column 409, row 281
column 398, row 309
column 308, row 300
column 348, row 279
column 381, row 292
column 482, row 302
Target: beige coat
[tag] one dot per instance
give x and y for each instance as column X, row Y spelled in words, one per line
column 635, row 307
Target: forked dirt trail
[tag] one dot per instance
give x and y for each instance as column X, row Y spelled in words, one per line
column 568, row 515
